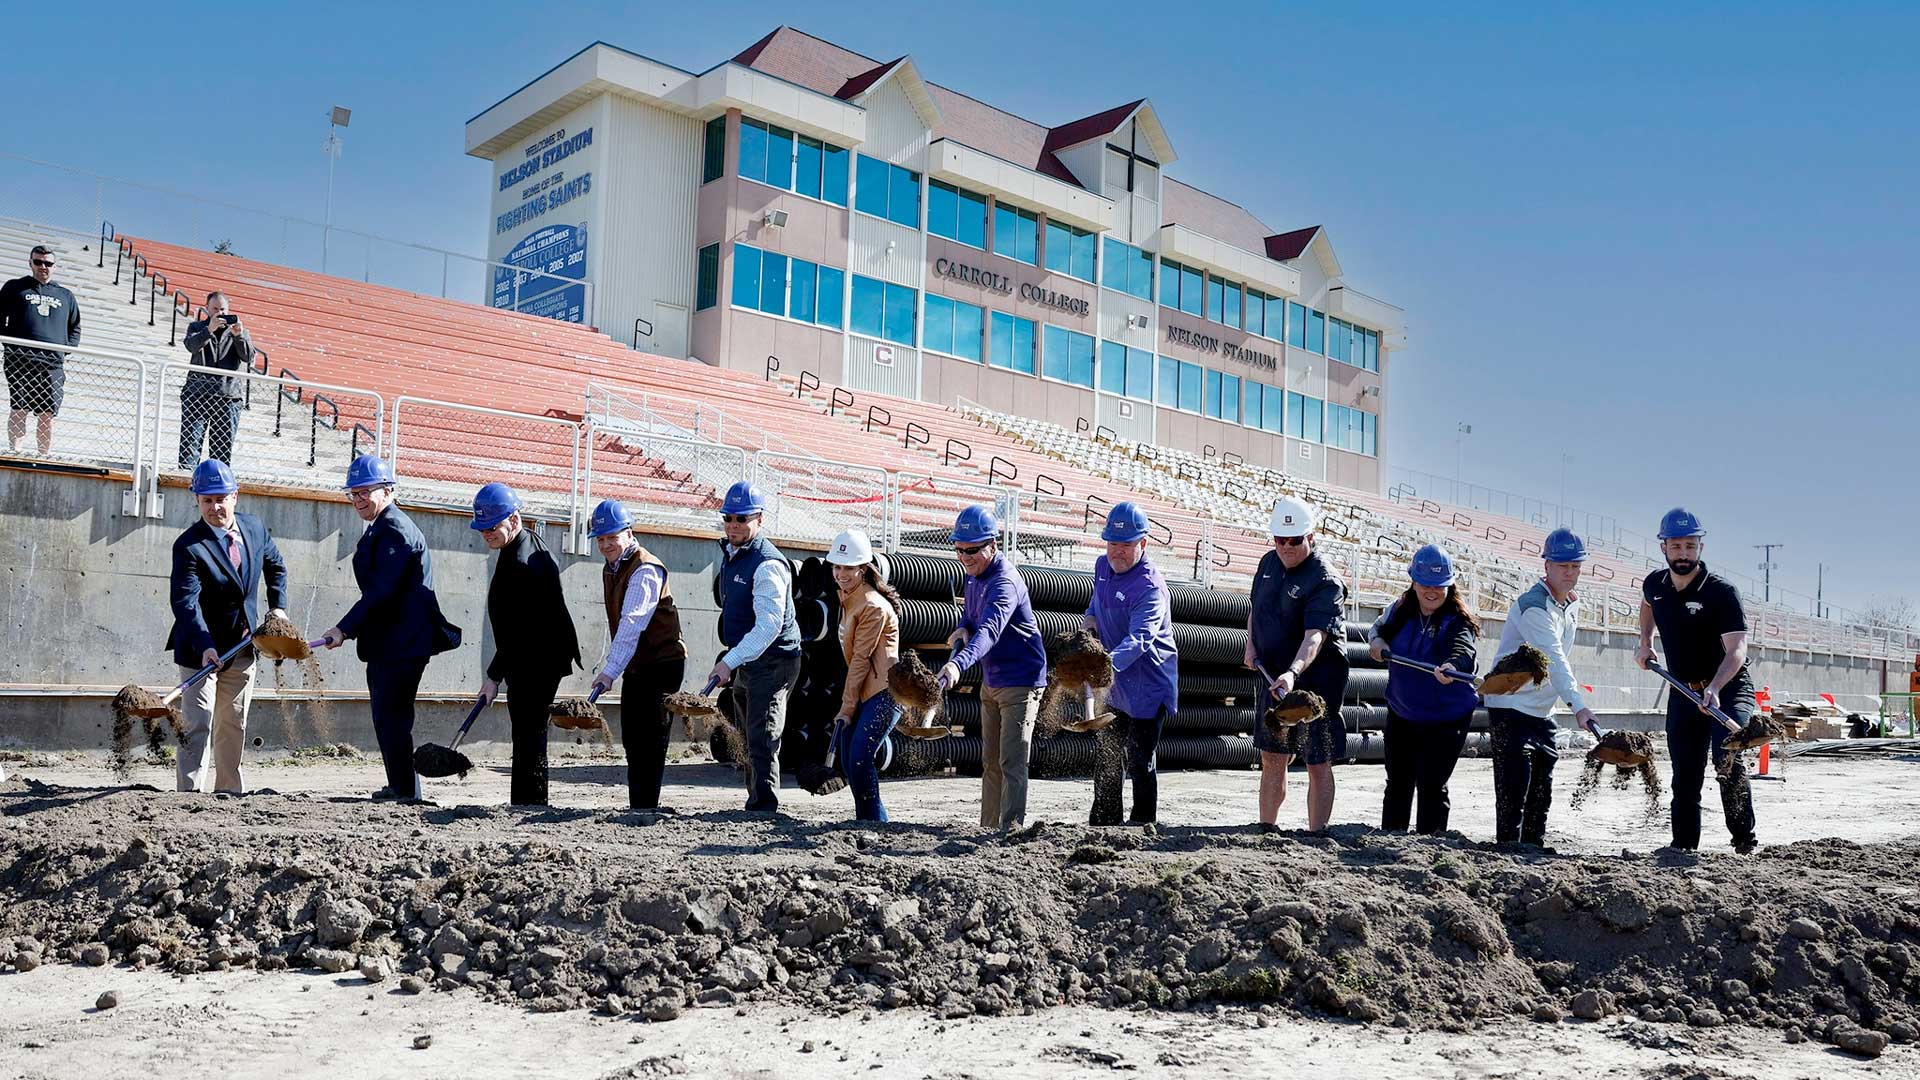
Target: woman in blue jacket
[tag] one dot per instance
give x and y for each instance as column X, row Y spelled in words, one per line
column 1427, row 715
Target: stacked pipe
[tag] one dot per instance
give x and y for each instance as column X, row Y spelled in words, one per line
column 1214, row 724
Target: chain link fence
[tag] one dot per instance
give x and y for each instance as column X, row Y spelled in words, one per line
column 74, row 404
column 270, row 429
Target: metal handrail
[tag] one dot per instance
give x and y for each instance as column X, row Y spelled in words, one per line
column 802, row 387
column 886, row 418
column 925, row 439
column 773, row 365
column 287, row 387
column 946, row 456
column 995, row 473
column 835, row 401
column 636, row 331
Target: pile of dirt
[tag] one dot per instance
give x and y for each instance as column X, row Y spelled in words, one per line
column 277, row 639
column 649, row 915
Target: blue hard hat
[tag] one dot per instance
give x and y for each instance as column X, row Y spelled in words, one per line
column 368, row 470
column 212, row 477
column 608, row 518
column 744, row 498
column 1679, row 523
column 1431, row 567
column 975, row 525
column 1564, row 546
column 1125, row 524
column 494, row 504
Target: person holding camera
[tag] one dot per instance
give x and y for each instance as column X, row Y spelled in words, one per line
column 210, row 399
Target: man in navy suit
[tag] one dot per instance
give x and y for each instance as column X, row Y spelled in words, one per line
column 397, row 620
column 218, row 564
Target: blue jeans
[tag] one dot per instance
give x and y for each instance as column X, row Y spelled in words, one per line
column 856, row 748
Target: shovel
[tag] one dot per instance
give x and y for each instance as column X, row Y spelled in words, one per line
column 432, row 759
column 1686, row 691
column 165, row 706
column 1297, row 707
column 700, row 706
column 1431, row 669
column 1094, row 721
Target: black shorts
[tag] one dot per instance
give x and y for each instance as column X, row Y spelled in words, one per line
column 1322, row 742
column 34, row 384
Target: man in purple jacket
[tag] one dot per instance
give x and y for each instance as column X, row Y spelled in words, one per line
column 998, row 632
column 1133, row 615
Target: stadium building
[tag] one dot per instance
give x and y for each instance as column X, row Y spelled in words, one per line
column 848, row 217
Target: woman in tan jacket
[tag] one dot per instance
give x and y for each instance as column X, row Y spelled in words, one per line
column 870, row 640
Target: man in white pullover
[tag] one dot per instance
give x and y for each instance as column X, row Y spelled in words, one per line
column 1544, row 617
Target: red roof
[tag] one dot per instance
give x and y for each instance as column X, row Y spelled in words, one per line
column 1290, row 245
column 819, row 65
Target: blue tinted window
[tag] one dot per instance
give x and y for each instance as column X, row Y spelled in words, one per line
column 773, row 283
column 1169, row 284
column 1113, row 274
column 1168, row 383
column 1016, row 234
column 1128, row 270
column 1276, row 318
column 806, row 167
column 1256, row 313
column 903, row 197
column 800, row 295
column 1140, row 374
column 1192, row 296
column 969, row 325
column 973, row 219
column 869, row 306
column 1216, row 290
column 780, row 158
column 746, row 276
column 827, row 307
column 833, row 175
column 1113, row 367
column 870, row 187
column 1190, row 398
column 1012, row 343
column 1252, row 416
column 753, row 149
column 1316, row 331
column 1079, row 359
column 1296, row 326
column 1083, row 248
column 937, row 336
column 1212, row 405
column 1230, row 398
column 900, row 315
column 1230, row 315
column 943, row 210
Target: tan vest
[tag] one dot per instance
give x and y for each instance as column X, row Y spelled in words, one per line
column 661, row 639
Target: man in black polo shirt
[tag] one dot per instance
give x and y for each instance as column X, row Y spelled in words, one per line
column 1704, row 632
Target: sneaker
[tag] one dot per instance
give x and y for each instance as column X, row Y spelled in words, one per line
column 385, row 794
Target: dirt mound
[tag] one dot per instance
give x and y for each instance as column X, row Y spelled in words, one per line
column 653, row 914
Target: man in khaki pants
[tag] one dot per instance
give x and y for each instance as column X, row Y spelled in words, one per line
column 218, row 564
column 998, row 632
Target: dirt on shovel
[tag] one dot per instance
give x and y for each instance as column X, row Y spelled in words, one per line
column 138, row 702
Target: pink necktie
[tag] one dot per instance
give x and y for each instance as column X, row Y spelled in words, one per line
column 233, row 550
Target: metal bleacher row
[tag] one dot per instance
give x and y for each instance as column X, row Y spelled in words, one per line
column 458, row 394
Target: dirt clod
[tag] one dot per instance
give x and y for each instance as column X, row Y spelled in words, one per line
column 422, row 1042
column 107, row 1000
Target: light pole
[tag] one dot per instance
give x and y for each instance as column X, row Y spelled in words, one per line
column 1767, row 567
column 336, row 120
column 1461, row 431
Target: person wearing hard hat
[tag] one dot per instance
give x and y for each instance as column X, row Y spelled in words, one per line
column 870, row 642
column 997, row 631
column 1131, row 613
column 1427, row 714
column 1703, row 630
column 646, row 652
column 219, row 563
column 1294, row 634
column 1521, row 723
column 396, row 624
column 759, row 627
column 534, row 645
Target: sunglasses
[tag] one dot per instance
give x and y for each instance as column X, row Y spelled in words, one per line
column 971, row 551
column 43, row 263
column 1289, row 541
column 737, row 519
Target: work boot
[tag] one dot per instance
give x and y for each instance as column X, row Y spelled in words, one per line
column 385, row 794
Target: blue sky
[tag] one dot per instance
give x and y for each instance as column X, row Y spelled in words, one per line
column 1671, row 243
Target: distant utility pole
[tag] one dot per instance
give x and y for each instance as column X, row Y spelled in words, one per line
column 1820, row 592
column 1767, row 567
column 1459, row 458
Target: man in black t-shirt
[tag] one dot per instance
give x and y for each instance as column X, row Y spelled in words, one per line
column 1703, row 630
column 37, row 308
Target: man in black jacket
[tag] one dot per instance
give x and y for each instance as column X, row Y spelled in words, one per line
column 219, row 563
column 210, row 398
column 39, row 309
column 534, row 645
column 397, row 621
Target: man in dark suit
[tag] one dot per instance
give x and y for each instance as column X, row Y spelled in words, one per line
column 218, row 564
column 217, row 346
column 534, row 645
column 397, row 621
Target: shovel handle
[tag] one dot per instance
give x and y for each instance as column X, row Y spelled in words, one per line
column 1683, row 689
column 593, row 695
column 317, row 643
column 466, row 725
column 174, row 694
column 708, row 689
column 1431, row 669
